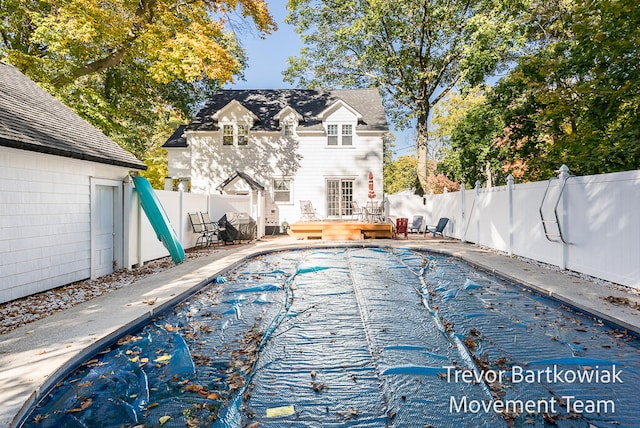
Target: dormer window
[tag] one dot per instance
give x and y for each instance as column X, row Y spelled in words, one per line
column 332, row 135
column 339, row 135
column 235, row 135
column 287, row 130
column 243, row 135
column 347, row 135
column 227, row 135
column 288, row 119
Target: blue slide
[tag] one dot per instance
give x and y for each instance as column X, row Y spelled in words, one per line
column 158, row 218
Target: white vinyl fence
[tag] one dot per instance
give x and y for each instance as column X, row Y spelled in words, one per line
column 143, row 243
column 592, row 222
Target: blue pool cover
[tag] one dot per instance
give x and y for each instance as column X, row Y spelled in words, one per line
column 356, row 337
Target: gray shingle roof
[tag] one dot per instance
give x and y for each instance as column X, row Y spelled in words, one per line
column 31, row 119
column 266, row 103
column 253, row 184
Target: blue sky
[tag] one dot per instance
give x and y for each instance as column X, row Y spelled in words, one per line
column 268, row 59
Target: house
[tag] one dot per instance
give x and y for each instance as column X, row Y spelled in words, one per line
column 61, row 192
column 283, row 146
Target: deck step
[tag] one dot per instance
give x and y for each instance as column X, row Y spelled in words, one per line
column 340, row 230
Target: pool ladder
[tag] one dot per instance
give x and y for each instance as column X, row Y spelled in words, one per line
column 554, row 237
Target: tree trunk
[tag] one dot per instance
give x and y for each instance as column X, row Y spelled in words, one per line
column 423, row 151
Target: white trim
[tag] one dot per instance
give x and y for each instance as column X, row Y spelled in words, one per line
column 231, row 104
column 286, row 111
column 335, row 106
column 273, row 190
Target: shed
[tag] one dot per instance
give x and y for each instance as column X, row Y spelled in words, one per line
column 61, row 192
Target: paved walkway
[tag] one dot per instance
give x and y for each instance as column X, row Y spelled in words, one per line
column 30, row 356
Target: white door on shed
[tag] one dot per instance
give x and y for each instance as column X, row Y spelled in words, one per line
column 104, row 231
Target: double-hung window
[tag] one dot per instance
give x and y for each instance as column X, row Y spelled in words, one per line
column 243, row 135
column 332, row 135
column 288, row 130
column 227, row 135
column 339, row 135
column 235, row 135
column 282, row 190
column 347, row 135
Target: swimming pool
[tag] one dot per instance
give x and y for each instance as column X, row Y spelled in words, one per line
column 356, row 337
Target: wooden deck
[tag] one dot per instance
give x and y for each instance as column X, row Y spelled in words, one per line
column 340, row 230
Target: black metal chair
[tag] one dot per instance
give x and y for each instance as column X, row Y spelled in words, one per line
column 438, row 229
column 199, row 228
column 212, row 228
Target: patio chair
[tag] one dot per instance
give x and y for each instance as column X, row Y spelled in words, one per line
column 401, row 227
column 416, row 224
column 438, row 229
column 357, row 211
column 197, row 225
column 375, row 212
column 212, row 228
column 307, row 212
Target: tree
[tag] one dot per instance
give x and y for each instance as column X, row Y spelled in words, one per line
column 127, row 65
column 414, row 51
column 401, row 175
column 472, row 156
column 577, row 99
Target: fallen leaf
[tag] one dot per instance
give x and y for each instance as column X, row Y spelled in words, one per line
column 163, row 419
column 86, row 403
column 165, row 357
column 150, row 302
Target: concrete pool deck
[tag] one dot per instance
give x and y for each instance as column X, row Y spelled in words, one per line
column 32, row 355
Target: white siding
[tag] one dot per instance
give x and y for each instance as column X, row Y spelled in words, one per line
column 179, row 162
column 305, row 158
column 45, row 221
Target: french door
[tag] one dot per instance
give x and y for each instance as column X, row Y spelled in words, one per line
column 339, row 197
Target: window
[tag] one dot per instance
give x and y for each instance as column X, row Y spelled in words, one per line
column 243, row 135
column 347, row 135
column 288, row 130
column 235, row 135
column 227, row 135
column 332, row 135
column 339, row 135
column 282, row 190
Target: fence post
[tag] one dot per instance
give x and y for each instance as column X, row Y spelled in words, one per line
column 127, row 191
column 180, row 213
column 510, row 208
column 478, row 186
column 563, row 175
column 462, row 210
